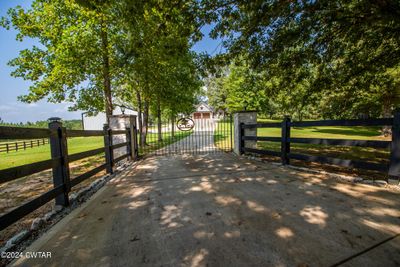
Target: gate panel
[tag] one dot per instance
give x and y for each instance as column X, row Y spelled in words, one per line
column 207, row 135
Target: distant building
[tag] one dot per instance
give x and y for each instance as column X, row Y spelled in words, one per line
column 97, row 122
column 203, row 111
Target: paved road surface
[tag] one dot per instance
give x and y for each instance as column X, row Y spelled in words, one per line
column 216, row 210
column 200, row 141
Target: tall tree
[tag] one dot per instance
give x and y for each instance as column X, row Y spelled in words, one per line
column 341, row 45
column 156, row 57
column 75, row 61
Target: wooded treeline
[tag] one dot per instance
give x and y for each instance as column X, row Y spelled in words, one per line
column 306, row 59
column 68, row 124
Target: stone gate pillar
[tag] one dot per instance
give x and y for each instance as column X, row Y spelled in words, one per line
column 246, row 117
column 120, row 123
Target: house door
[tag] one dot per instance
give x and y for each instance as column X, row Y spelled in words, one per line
column 206, row 115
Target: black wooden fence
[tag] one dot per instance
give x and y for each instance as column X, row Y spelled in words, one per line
column 59, row 162
column 393, row 168
column 22, row 145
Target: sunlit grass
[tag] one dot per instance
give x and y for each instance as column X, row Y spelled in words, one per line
column 152, row 143
column 337, row 132
column 334, row 132
column 31, row 155
column 222, row 135
column 222, row 139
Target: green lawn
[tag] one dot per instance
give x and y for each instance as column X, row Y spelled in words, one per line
column 152, row 143
column 358, row 133
column 222, row 135
column 345, row 152
column 31, row 155
column 223, row 141
column 80, row 144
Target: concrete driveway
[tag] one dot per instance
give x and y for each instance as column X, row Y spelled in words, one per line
column 200, row 141
column 196, row 143
column 217, row 210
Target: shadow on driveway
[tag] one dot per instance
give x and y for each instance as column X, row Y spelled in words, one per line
column 221, row 210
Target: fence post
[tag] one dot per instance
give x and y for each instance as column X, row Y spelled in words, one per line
column 394, row 167
column 24, row 145
column 129, row 142
column 108, row 148
column 58, row 147
column 16, row 146
column 7, row 148
column 135, row 142
column 241, row 141
column 285, row 142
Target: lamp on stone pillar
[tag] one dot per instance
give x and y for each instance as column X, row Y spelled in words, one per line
column 122, row 109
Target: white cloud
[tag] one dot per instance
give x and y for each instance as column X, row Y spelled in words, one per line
column 7, row 108
column 16, row 112
column 32, row 105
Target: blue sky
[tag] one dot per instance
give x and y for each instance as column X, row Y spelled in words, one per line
column 11, row 110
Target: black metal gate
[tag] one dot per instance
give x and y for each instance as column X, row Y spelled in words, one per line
column 188, row 136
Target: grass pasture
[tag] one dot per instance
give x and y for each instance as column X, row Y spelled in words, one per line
column 222, row 134
column 31, row 155
column 80, row 144
column 152, row 143
column 345, row 152
column 374, row 155
column 17, row 192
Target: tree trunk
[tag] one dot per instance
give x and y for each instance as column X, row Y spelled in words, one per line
column 140, row 119
column 387, row 113
column 159, row 123
column 145, row 121
column 106, row 70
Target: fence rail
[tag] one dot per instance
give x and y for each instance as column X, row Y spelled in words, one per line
column 59, row 163
column 24, row 133
column 86, row 133
column 22, row 145
column 393, row 168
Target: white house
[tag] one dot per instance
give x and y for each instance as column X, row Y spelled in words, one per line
column 97, row 122
column 203, row 111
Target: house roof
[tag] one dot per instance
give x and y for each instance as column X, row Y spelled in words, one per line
column 204, row 104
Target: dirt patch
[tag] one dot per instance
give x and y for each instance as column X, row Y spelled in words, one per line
column 262, row 215
column 366, row 174
column 15, row 193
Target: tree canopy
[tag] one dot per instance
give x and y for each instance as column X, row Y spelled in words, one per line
column 345, row 53
column 307, row 59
